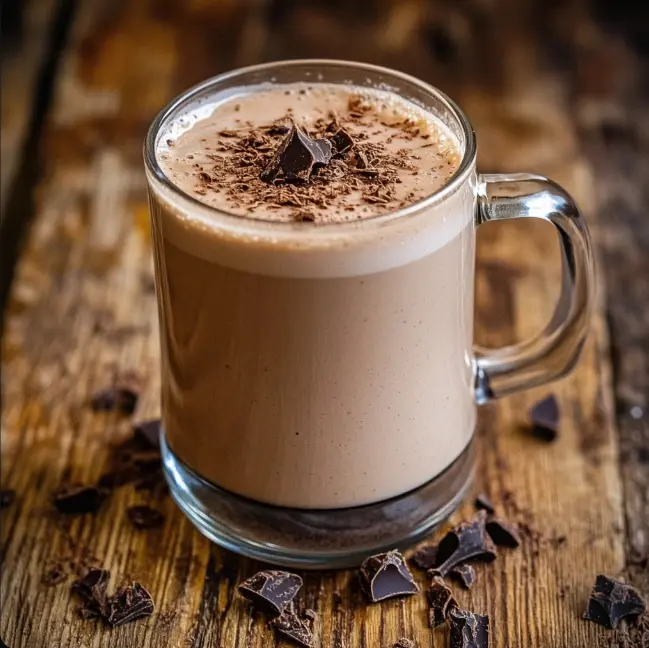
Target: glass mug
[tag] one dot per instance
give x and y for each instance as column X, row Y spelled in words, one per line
column 319, row 382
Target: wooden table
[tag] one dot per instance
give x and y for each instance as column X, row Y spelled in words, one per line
column 547, row 93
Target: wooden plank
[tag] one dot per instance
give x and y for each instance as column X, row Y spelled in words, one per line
column 82, row 311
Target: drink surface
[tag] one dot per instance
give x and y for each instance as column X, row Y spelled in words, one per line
column 343, row 376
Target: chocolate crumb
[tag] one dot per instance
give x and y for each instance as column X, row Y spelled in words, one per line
column 545, row 419
column 119, row 398
column 76, row 499
column 144, row 517
column 54, row 574
column 148, row 433
column 7, row 496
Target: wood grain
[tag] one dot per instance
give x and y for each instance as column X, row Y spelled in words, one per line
column 82, row 312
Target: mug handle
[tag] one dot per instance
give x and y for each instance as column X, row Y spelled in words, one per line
column 553, row 352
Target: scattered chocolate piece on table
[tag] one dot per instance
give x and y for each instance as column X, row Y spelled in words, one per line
column 148, row 433
column 426, row 557
column 465, row 574
column 544, row 416
column 271, row 590
column 54, row 574
column 404, row 643
column 483, row 501
column 292, row 627
column 468, row 630
column 386, row 575
column 92, row 589
column 503, row 534
column 128, row 604
column 467, row 541
column 118, row 398
column 7, row 497
column 611, row 601
column 144, row 517
column 76, row 499
column 441, row 601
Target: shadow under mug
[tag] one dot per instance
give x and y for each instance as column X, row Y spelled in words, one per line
column 319, row 535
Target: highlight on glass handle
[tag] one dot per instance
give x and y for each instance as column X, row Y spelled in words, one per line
column 553, row 352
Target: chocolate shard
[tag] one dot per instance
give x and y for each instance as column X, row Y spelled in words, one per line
column 468, row 630
column 147, row 433
column 118, row 398
column 465, row 574
column 386, row 575
column 467, row 541
column 611, row 601
column 271, row 590
column 441, row 601
column 483, row 502
column 292, row 627
column 76, row 499
column 404, row 643
column 545, row 418
column 128, row 604
column 341, row 142
column 144, row 517
column 426, row 557
column 54, row 574
column 92, row 589
column 297, row 157
column 503, row 534
column 7, row 497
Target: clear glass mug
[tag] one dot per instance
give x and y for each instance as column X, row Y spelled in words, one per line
column 320, row 467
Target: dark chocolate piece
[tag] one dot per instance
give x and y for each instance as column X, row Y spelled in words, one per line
column 545, row 419
column 92, row 589
column 465, row 574
column 144, row 517
column 128, row 604
column 426, row 557
column 341, row 142
column 468, row 630
column 76, row 499
column 297, row 157
column 147, row 433
column 54, row 574
column 483, row 501
column 503, row 534
column 467, row 541
column 292, row 627
column 441, row 602
column 404, row 643
column 278, row 129
column 611, row 601
column 7, row 497
column 272, row 590
column 118, row 398
column 386, row 575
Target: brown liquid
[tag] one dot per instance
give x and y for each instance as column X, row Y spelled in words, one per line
column 316, row 374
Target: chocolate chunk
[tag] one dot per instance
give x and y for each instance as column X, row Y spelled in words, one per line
column 465, row 574
column 76, row 499
column 296, row 157
column 144, row 517
column 7, row 497
column 54, row 574
column 483, row 501
column 128, row 604
column 467, row 541
column 404, row 643
column 386, row 575
column 118, row 398
column 341, row 142
column 292, row 627
column 426, row 557
column 503, row 534
column 468, row 630
column 611, row 601
column 545, row 419
column 92, row 589
column 147, row 433
column 272, row 590
column 441, row 602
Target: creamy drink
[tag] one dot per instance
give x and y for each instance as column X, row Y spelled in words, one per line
column 308, row 361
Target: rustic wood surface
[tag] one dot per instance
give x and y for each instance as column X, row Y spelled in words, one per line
column 82, row 311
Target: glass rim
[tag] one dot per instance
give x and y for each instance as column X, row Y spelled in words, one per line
column 237, row 221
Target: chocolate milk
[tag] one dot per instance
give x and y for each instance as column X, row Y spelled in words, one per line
column 318, row 364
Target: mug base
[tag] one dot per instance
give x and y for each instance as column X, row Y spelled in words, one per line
column 316, row 538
